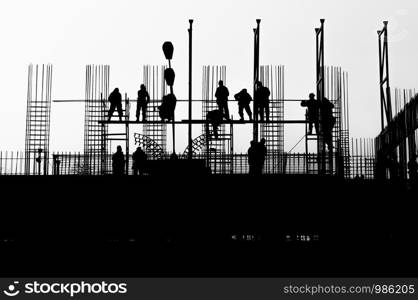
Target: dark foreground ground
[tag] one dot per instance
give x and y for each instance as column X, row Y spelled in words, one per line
column 206, row 226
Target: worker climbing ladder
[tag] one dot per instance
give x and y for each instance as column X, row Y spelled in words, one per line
column 218, row 150
column 119, row 135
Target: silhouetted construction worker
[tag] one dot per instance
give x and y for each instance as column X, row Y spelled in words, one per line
column 393, row 165
column 261, row 99
column 327, row 121
column 413, row 169
column 222, row 95
column 313, row 112
column 118, row 162
column 139, row 160
column 142, row 103
column 215, row 118
column 252, row 157
column 115, row 99
column 168, row 107
column 261, row 155
column 244, row 100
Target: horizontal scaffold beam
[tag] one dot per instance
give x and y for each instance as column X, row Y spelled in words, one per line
column 204, row 122
column 178, row 100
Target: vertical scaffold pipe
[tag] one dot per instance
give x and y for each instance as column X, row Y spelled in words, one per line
column 256, row 75
column 190, row 152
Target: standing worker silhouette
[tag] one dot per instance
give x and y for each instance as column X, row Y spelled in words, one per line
column 142, row 103
column 139, row 159
column 328, row 121
column 221, row 95
column 252, row 157
column 115, row 99
column 313, row 112
column 118, row 162
column 261, row 98
column 244, row 100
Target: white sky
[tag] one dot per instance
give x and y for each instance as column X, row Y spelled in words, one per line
column 127, row 34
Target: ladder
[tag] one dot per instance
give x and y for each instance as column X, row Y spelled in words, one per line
column 219, row 150
column 315, row 161
column 119, row 136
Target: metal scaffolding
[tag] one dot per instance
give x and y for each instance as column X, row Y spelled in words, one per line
column 218, row 151
column 100, row 133
column 385, row 95
column 96, row 144
column 336, row 88
column 337, row 160
column 396, row 145
column 153, row 78
column 320, row 94
column 332, row 84
column 38, row 115
column 272, row 77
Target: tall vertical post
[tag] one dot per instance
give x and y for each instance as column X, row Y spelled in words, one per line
column 385, row 148
column 379, row 39
column 173, row 123
column 127, row 112
column 385, row 95
column 320, row 91
column 169, row 76
column 190, row 153
column 256, row 76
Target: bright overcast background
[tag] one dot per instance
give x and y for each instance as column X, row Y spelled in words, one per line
column 127, row 34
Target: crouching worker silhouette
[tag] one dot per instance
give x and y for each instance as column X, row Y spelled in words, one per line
column 118, row 162
column 139, row 160
column 244, row 100
column 215, row 118
column 168, row 107
column 115, row 99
